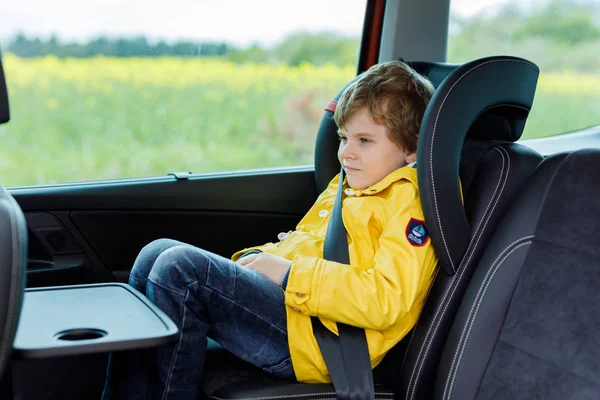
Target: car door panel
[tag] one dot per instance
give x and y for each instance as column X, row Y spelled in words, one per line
column 117, row 236
column 57, row 254
column 92, row 232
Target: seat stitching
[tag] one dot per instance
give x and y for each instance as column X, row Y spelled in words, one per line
column 454, row 284
column 431, row 150
column 471, row 318
column 494, row 197
column 464, row 338
column 420, row 360
column 481, row 224
column 496, row 260
column 437, row 323
column 437, row 271
column 421, row 356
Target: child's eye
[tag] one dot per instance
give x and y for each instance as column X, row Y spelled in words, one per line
column 364, row 141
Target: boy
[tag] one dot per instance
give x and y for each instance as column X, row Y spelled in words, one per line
column 258, row 305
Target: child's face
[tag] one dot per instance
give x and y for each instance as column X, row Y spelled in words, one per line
column 366, row 152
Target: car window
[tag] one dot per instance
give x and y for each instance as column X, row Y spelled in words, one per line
column 110, row 89
column 561, row 36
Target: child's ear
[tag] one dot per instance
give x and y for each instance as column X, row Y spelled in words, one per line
column 412, row 157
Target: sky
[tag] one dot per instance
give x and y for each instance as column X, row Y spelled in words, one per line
column 236, row 21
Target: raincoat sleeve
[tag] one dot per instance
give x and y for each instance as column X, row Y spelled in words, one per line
column 370, row 297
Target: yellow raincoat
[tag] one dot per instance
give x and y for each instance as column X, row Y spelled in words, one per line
column 392, row 264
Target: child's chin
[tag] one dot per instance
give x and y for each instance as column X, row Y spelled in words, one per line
column 357, row 185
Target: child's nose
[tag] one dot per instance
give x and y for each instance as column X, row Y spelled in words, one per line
column 347, row 151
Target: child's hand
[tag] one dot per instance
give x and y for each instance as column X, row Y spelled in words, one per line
column 273, row 267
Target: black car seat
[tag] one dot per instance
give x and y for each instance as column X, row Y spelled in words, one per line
column 13, row 259
column 528, row 325
column 492, row 169
column 490, row 99
column 13, row 262
column 221, row 367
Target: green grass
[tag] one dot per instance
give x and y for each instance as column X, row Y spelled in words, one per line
column 92, row 119
column 554, row 114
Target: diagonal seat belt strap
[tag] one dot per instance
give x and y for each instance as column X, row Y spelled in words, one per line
column 347, row 355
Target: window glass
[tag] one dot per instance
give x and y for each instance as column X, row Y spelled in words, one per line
column 106, row 89
column 561, row 36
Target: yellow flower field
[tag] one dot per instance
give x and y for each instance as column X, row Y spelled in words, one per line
column 106, row 118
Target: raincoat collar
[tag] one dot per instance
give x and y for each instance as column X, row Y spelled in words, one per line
column 408, row 172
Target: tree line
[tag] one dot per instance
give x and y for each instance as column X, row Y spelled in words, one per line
column 566, row 25
column 315, row 48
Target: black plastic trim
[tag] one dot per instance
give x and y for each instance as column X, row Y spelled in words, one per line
column 111, row 342
column 273, row 191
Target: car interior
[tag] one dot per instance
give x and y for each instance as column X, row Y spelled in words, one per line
column 511, row 313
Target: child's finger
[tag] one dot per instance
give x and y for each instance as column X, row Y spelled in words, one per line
column 244, row 261
column 251, row 265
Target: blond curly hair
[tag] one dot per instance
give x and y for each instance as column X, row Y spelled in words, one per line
column 395, row 96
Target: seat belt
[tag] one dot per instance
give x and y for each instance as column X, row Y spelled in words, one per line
column 347, row 355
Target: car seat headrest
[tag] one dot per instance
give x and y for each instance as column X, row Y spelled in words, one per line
column 436, row 72
column 326, row 163
column 488, row 98
column 4, row 114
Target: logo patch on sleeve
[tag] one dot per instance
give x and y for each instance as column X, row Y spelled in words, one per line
column 417, row 233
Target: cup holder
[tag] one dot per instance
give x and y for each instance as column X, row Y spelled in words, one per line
column 80, row 334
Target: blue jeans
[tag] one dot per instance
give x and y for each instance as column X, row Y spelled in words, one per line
column 206, row 295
